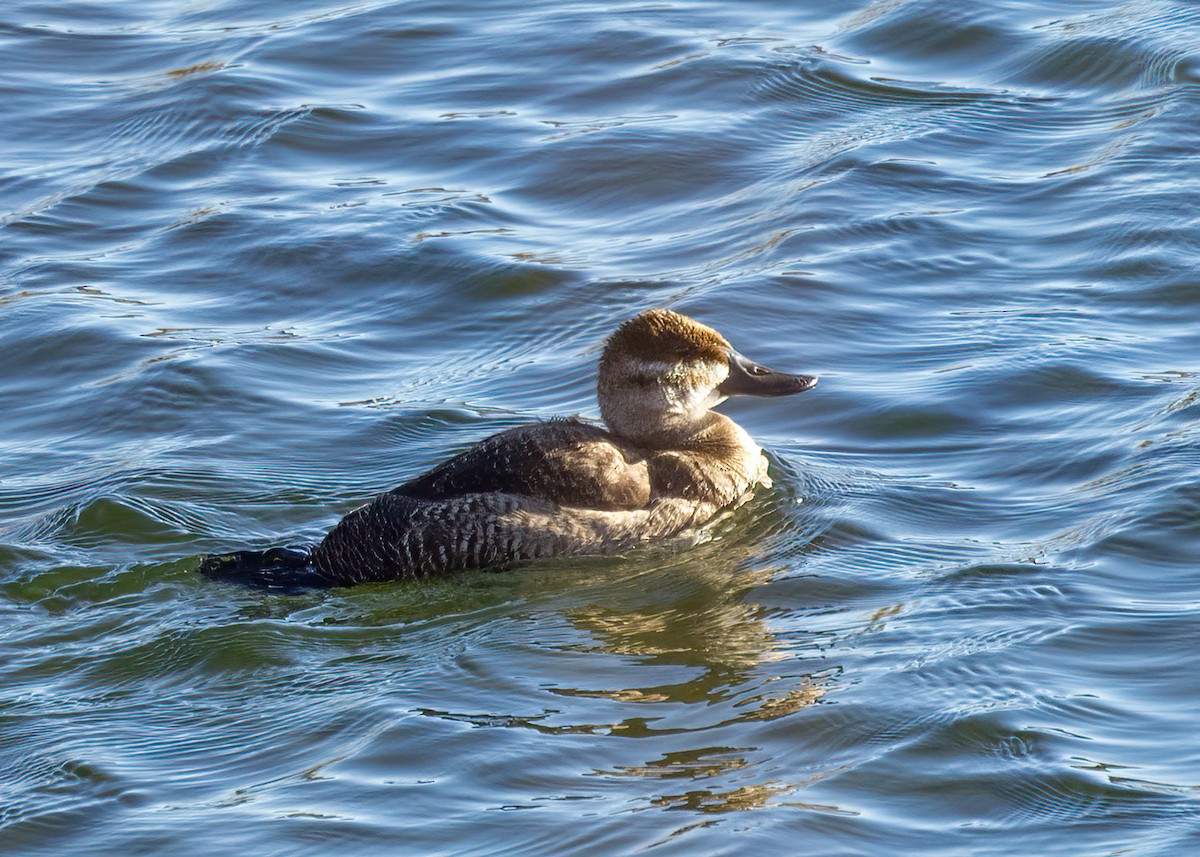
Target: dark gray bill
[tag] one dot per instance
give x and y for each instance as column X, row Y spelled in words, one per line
column 747, row 378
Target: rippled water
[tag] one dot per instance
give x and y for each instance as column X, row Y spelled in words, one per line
column 260, row 261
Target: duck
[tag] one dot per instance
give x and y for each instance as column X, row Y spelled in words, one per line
column 662, row 465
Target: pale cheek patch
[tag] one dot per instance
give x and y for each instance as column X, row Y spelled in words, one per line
column 702, row 392
column 637, row 393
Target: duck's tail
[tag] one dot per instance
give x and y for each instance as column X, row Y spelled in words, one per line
column 275, row 568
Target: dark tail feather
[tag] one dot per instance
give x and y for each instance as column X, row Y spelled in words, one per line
column 276, row 568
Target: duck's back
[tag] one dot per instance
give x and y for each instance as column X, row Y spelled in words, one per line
column 569, row 462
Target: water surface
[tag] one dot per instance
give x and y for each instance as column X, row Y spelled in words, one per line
column 260, row 261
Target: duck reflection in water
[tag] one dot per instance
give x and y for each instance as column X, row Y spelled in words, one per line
column 690, row 624
column 710, row 627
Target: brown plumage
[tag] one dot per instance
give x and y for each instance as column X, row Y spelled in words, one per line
column 660, row 334
column 666, row 464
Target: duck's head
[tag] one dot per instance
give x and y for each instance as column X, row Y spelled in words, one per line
column 661, row 372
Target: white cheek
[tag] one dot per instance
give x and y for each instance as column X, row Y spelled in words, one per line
column 694, row 401
column 708, row 395
column 677, row 401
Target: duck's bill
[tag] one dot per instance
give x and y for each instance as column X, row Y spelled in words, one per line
column 747, row 378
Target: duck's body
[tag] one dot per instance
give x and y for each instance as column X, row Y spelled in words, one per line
column 551, row 489
column 665, row 465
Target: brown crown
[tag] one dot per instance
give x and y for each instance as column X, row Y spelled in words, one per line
column 660, row 334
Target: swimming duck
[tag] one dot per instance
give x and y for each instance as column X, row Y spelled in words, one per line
column 664, row 465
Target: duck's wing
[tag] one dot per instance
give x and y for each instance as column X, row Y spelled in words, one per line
column 568, row 462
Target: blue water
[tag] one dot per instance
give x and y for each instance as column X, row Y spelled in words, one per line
column 262, row 260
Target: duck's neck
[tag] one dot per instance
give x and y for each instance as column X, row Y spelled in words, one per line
column 712, row 434
column 719, row 435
